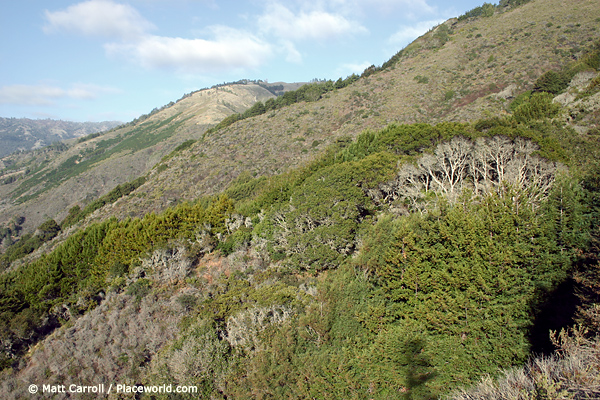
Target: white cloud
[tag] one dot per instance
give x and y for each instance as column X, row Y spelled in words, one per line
column 407, row 8
column 282, row 22
column 352, row 68
column 47, row 95
column 230, row 48
column 130, row 39
column 407, row 34
column 103, row 18
column 291, row 53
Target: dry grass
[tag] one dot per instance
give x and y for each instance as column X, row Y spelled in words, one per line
column 573, row 372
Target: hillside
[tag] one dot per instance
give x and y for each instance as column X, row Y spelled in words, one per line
column 459, row 71
column 22, row 134
column 46, row 183
column 403, row 234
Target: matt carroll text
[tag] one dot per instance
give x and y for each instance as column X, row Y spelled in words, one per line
column 74, row 388
column 100, row 388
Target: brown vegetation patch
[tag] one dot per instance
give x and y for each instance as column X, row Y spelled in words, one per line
column 471, row 97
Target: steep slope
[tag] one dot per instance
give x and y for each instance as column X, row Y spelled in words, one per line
column 49, row 182
column 459, row 71
column 21, row 134
column 370, row 271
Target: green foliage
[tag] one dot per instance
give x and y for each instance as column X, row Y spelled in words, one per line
column 187, row 301
column 313, row 234
column 315, row 355
column 89, row 137
column 404, row 361
column 142, row 136
column 79, row 267
column 48, row 230
column 33, row 289
column 185, row 145
column 538, row 107
column 344, row 299
column 485, row 10
column 404, row 139
column 555, row 82
column 471, row 277
column 512, row 3
column 28, row 243
column 519, row 100
column 131, row 239
column 139, row 289
column 552, row 82
column 442, row 34
column 308, row 93
column 198, row 358
column 73, row 216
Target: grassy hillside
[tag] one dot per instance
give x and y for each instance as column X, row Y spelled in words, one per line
column 477, row 68
column 360, row 243
column 47, row 183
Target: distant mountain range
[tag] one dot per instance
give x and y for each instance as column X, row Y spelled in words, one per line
column 19, row 134
column 405, row 233
column 97, row 162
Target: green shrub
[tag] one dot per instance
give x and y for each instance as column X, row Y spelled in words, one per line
column 538, row 107
column 187, row 301
column 552, row 82
column 485, row 10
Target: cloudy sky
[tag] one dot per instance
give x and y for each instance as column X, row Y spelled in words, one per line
column 101, row 60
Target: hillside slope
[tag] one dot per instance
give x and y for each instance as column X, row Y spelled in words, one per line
column 459, row 71
column 50, row 182
column 327, row 253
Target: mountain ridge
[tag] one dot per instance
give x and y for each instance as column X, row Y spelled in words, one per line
column 430, row 93
column 97, row 163
column 398, row 237
column 22, row 134
column 474, row 67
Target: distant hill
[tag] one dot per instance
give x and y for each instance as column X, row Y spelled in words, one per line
column 401, row 234
column 21, row 134
column 48, row 181
column 464, row 69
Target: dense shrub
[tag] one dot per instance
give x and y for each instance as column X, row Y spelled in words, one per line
column 552, row 82
column 539, row 106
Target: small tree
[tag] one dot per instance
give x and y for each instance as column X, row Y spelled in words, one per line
column 539, row 106
column 48, row 230
column 552, row 82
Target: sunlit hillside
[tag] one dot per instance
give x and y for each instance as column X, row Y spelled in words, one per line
column 422, row 231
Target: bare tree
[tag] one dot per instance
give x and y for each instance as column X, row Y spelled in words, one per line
column 485, row 166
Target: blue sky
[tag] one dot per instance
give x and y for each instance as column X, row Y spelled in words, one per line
column 99, row 60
